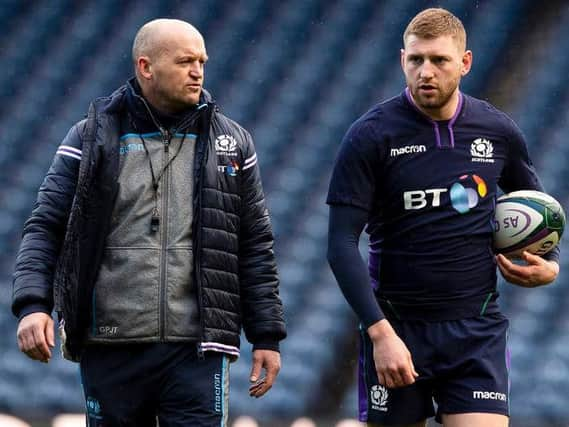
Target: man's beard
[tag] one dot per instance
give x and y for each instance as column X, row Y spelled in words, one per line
column 434, row 102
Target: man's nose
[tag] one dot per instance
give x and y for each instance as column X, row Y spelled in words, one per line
column 196, row 69
column 427, row 70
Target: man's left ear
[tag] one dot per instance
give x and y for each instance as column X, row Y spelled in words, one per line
column 144, row 67
column 466, row 63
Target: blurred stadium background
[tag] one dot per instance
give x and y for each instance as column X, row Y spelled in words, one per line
column 296, row 73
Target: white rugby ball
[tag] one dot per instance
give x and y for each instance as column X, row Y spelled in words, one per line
column 527, row 220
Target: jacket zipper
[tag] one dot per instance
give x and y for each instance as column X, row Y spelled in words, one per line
column 204, row 142
column 164, row 236
column 197, row 253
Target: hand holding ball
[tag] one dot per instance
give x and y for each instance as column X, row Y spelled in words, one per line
column 527, row 220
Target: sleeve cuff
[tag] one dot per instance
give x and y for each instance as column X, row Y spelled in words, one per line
column 33, row 308
column 552, row 256
column 367, row 322
column 267, row 345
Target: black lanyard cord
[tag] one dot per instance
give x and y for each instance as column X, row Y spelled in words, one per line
column 167, row 137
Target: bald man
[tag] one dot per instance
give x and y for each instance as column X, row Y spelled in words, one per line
column 151, row 240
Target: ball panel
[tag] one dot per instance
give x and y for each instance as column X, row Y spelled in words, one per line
column 538, row 235
column 542, row 198
column 540, row 247
column 514, row 223
column 555, row 218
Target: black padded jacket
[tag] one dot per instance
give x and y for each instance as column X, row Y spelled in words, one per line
column 234, row 265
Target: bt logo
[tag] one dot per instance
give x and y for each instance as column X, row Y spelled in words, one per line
column 418, row 199
column 464, row 195
column 230, row 169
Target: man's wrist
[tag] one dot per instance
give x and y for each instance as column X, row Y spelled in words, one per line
column 380, row 330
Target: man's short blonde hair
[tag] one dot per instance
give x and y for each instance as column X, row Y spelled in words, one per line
column 436, row 22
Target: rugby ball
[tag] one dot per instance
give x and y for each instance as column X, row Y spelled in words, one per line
column 527, row 220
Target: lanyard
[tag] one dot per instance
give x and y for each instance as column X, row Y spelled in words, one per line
column 166, row 138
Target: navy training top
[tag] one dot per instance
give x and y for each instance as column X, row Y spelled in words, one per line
column 429, row 188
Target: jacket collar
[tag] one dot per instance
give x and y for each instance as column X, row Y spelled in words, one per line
column 128, row 98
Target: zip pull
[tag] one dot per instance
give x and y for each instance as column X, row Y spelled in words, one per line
column 201, row 355
column 165, row 138
column 155, row 221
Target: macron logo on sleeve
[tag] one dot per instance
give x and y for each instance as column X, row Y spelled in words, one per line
column 69, row 151
column 408, row 149
column 489, row 395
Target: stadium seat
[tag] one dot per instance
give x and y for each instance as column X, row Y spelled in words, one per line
column 349, row 423
column 245, row 421
column 10, row 421
column 69, row 420
column 303, row 422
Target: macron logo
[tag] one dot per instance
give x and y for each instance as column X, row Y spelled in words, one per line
column 407, row 150
column 489, row 395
